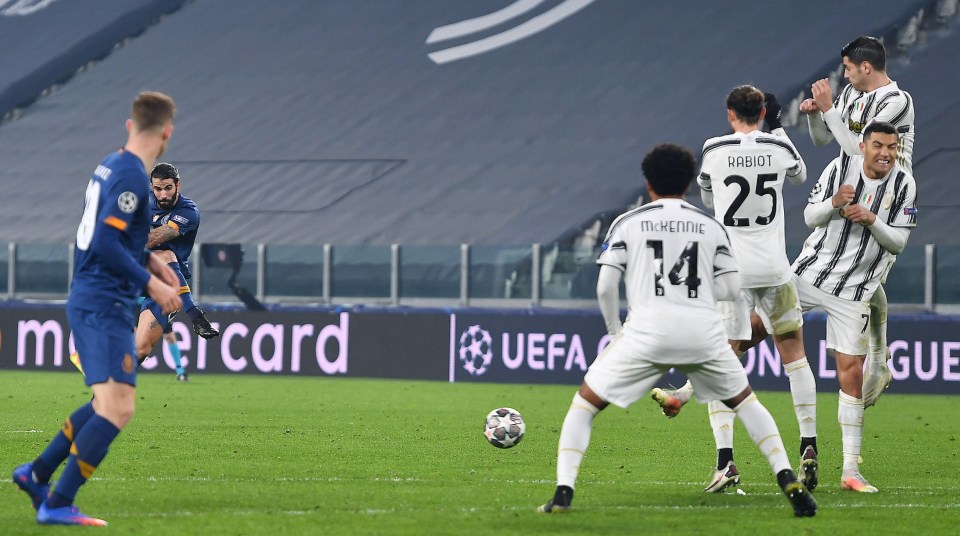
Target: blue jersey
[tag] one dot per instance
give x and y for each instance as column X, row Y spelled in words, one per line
column 109, row 257
column 185, row 218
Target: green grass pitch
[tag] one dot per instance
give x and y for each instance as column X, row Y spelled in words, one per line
column 284, row 455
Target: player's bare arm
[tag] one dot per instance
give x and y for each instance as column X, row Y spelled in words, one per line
column 160, row 235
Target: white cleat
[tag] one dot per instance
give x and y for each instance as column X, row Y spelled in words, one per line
column 723, row 479
column 670, row 403
column 854, row 481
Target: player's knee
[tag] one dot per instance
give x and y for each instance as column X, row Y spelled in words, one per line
column 165, row 255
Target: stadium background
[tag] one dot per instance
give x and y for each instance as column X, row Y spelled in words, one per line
column 366, row 176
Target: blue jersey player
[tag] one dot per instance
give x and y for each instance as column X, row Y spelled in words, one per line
column 108, row 276
column 175, row 220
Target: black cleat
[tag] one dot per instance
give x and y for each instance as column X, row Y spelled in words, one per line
column 801, row 499
column 202, row 327
column 809, row 470
column 560, row 503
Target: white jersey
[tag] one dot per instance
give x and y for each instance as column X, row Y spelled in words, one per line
column 855, row 110
column 843, row 258
column 670, row 252
column 743, row 174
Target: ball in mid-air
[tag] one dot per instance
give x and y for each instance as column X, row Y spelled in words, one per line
column 504, row 427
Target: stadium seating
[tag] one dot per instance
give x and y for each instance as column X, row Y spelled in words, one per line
column 327, row 122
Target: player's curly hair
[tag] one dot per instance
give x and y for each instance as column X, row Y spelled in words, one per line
column 866, row 49
column 669, row 168
column 164, row 171
column 746, row 102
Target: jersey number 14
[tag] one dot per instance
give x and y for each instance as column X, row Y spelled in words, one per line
column 688, row 260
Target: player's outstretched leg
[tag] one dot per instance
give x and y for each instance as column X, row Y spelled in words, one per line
column 764, row 433
column 574, row 440
column 803, row 390
column 672, row 400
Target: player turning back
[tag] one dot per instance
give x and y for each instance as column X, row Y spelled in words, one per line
column 869, row 97
column 108, row 276
column 742, row 176
column 676, row 263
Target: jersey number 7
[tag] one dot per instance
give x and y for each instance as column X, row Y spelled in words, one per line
column 688, row 259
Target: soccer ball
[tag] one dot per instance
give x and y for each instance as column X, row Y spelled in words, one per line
column 504, row 427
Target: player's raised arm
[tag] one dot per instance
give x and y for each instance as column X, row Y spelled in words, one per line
column 796, row 174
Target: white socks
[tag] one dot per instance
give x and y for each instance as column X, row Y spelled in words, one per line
column 803, row 387
column 850, row 416
column 878, row 326
column 574, row 439
column 721, row 420
column 763, row 431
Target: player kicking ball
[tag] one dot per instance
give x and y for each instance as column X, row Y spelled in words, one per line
column 676, row 262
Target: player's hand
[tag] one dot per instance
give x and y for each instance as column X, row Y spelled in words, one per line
column 809, row 107
column 166, row 296
column 159, row 268
column 859, row 214
column 844, row 195
column 773, row 108
column 822, row 94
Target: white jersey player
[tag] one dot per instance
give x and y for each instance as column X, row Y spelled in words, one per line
column 676, row 262
column 742, row 176
column 863, row 209
column 870, row 96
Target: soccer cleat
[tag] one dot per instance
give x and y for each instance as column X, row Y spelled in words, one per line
column 182, row 377
column 66, row 515
column 669, row 403
column 202, row 327
column 560, row 503
column 23, row 478
column 724, row 478
column 801, row 499
column 75, row 359
column 854, row 481
column 809, row 469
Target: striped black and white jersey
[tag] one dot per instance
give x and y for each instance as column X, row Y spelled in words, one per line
column 842, row 257
column 853, row 110
column 742, row 176
column 670, row 252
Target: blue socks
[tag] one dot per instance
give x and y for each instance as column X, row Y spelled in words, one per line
column 176, row 355
column 185, row 295
column 59, row 447
column 89, row 448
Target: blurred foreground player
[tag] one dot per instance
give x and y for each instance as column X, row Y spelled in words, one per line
column 108, row 276
column 676, row 262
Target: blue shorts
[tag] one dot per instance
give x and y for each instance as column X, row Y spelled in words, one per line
column 106, row 345
column 165, row 321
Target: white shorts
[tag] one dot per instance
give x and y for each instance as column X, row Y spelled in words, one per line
column 778, row 306
column 847, row 320
column 622, row 374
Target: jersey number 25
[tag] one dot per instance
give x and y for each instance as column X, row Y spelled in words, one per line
column 730, row 219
